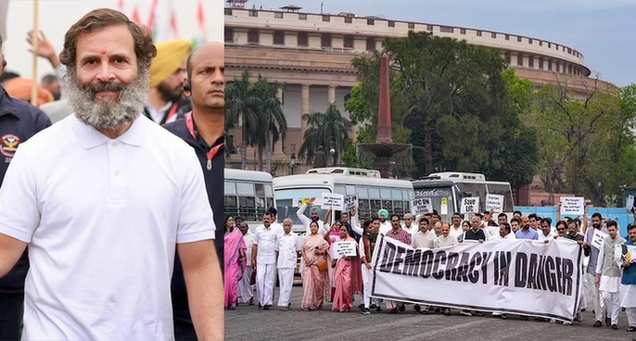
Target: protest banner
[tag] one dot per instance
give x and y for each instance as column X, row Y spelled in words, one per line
column 470, row 205
column 520, row 277
column 331, row 201
column 350, row 202
column 421, row 206
column 494, row 202
column 343, row 249
column 572, row 206
column 630, row 203
column 597, row 238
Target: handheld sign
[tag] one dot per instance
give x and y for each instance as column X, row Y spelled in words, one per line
column 597, row 239
column 422, row 205
column 632, row 251
column 494, row 202
column 630, row 203
column 332, row 202
column 572, row 206
column 350, row 202
column 470, row 205
column 345, row 248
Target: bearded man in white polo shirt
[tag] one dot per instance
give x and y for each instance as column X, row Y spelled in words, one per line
column 104, row 199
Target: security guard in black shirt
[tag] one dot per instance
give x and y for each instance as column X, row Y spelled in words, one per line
column 202, row 128
column 18, row 122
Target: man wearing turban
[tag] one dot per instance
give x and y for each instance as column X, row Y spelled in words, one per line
column 167, row 79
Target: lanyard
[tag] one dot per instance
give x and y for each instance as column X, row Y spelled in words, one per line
column 211, row 154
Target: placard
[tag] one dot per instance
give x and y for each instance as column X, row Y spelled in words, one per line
column 470, row 205
column 632, row 250
column 443, row 207
column 630, row 203
column 572, row 206
column 345, row 248
column 422, row 205
column 494, row 202
column 332, row 201
column 350, row 202
column 597, row 239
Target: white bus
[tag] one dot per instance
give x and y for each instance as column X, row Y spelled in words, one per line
column 372, row 191
column 248, row 194
column 450, row 187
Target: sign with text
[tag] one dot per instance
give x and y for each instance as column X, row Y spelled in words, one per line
column 494, row 202
column 331, row 201
column 421, row 205
column 350, row 202
column 597, row 239
column 470, row 205
column 520, row 277
column 572, row 206
column 344, row 248
column 632, row 251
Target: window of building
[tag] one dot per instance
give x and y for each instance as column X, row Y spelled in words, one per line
column 520, row 60
column 411, row 26
column 493, row 35
column 279, row 38
column 570, row 68
column 550, row 64
column 531, row 61
column 391, row 23
column 462, row 31
column 228, row 11
column 429, row 28
column 529, row 41
column 253, row 13
column 569, row 50
column 370, row 44
column 326, row 18
column 540, row 43
column 302, row 16
column 541, row 63
column 479, row 33
column 303, row 39
column 278, row 15
column 348, row 42
column 348, row 20
column 558, row 67
column 507, row 37
column 446, row 29
column 325, row 40
column 370, row 21
column 549, row 45
column 507, row 57
column 229, row 35
column 252, row 36
column 519, row 39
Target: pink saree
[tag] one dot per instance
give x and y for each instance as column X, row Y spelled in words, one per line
column 233, row 267
column 313, row 279
column 346, row 282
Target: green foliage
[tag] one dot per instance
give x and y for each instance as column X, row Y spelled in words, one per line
column 325, row 131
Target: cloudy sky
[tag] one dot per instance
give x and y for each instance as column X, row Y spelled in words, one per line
column 603, row 30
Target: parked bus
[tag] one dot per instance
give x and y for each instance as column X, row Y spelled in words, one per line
column 248, row 194
column 447, row 189
column 372, row 191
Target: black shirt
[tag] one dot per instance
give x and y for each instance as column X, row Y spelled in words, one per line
column 213, row 174
column 18, row 122
column 472, row 235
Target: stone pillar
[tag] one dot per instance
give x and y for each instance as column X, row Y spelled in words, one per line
column 331, row 92
column 304, row 115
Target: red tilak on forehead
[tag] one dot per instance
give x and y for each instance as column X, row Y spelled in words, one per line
column 103, row 51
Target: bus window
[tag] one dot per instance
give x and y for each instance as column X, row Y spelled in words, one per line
column 502, row 189
column 339, row 189
column 376, row 205
column 229, row 188
column 268, row 191
column 270, row 202
column 229, row 206
column 351, row 190
column 362, row 192
column 245, row 189
column 387, row 205
column 474, row 190
column 374, row 193
column 363, row 209
column 287, row 202
column 247, row 208
column 398, row 208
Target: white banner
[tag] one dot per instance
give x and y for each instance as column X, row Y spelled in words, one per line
column 332, row 202
column 470, row 205
column 520, row 277
column 421, row 206
column 344, row 249
column 572, row 206
column 494, row 202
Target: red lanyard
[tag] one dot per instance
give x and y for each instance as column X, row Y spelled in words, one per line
column 211, row 154
column 173, row 110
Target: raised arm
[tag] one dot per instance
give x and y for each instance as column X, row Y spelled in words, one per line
column 10, row 251
column 301, row 216
column 355, row 223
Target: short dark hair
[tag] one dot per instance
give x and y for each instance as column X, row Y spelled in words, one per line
column 597, row 215
column 502, row 215
column 395, row 215
column 272, row 211
column 457, row 214
column 145, row 50
column 561, row 222
column 546, row 220
column 49, row 78
column 513, row 220
column 612, row 223
column 631, row 227
column 506, row 226
column 424, row 219
column 532, row 216
column 517, row 212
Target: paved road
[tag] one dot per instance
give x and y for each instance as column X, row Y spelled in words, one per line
column 249, row 323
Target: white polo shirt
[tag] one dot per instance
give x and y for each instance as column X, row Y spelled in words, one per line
column 287, row 252
column 102, row 218
column 265, row 240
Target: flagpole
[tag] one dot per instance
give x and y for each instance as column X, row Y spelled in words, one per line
column 34, row 65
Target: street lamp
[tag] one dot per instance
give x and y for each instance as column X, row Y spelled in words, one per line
column 292, row 163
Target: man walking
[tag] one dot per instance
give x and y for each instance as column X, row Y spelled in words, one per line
column 264, row 258
column 287, row 247
column 608, row 274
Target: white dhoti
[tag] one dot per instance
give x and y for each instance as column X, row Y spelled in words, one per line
column 246, row 291
column 367, row 274
column 593, row 299
column 265, row 283
column 285, row 283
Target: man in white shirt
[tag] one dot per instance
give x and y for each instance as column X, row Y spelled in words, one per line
column 246, row 289
column 385, row 224
column 505, row 232
column 306, row 221
column 274, row 214
column 105, row 210
column 545, row 232
column 456, row 229
column 608, row 273
column 287, row 256
column 445, row 239
column 264, row 256
column 409, row 224
column 425, row 237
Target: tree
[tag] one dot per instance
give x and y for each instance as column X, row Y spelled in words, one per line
column 256, row 108
column 325, row 131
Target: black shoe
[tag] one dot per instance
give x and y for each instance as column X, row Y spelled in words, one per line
column 361, row 306
column 614, row 327
column 631, row 329
column 417, row 308
column 597, row 324
column 260, row 306
column 266, row 307
column 373, row 306
column 365, row 311
column 402, row 308
column 608, row 322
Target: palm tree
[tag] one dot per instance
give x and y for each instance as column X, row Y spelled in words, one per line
column 325, row 131
column 258, row 111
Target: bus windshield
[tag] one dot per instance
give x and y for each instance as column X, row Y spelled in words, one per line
column 441, row 198
column 287, row 202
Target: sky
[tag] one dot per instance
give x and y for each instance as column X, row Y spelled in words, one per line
column 56, row 16
column 603, row 30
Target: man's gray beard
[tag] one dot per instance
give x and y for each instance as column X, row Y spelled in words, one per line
column 106, row 116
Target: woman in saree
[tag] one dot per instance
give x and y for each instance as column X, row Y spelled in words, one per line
column 346, row 281
column 234, row 262
column 314, row 257
column 332, row 236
